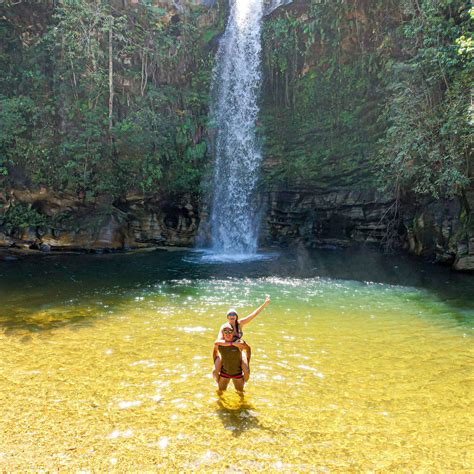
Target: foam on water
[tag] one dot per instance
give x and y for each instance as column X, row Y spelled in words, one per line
column 207, row 256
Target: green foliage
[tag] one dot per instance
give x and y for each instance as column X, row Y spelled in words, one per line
column 54, row 106
column 21, row 216
column 354, row 90
column 281, row 33
column 22, row 136
column 363, row 91
column 429, row 137
column 321, row 102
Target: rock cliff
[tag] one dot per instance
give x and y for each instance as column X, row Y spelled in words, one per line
column 322, row 118
column 131, row 223
column 320, row 127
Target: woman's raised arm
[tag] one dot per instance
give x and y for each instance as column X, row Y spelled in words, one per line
column 252, row 315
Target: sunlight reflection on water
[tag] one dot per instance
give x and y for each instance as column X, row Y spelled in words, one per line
column 346, row 375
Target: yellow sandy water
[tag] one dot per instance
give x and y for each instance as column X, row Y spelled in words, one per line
column 346, row 377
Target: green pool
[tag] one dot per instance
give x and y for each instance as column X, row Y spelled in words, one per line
column 362, row 362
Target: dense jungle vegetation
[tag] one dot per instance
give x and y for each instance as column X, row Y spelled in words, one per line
column 100, row 100
column 371, row 92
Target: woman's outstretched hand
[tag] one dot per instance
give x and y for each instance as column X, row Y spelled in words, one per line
column 252, row 315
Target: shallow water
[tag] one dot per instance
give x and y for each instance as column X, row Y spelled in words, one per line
column 361, row 362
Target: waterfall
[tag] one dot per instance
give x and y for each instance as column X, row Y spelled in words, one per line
column 235, row 90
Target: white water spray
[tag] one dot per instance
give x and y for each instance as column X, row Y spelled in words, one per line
column 235, row 89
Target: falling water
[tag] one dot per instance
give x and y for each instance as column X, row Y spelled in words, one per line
column 236, row 84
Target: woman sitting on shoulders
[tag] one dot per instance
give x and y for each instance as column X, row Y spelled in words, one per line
column 233, row 320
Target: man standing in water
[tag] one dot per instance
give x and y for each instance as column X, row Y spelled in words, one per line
column 231, row 357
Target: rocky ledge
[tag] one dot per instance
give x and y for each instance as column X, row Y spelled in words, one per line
column 326, row 219
column 71, row 225
column 442, row 229
column 438, row 230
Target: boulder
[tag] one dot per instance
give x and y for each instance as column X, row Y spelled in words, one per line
column 29, row 235
column 471, row 246
column 464, row 263
column 6, row 240
column 109, row 235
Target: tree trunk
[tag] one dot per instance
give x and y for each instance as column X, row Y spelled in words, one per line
column 111, row 79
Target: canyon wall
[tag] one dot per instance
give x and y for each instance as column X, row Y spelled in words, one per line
column 323, row 114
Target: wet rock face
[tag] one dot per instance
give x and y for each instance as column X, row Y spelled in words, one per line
column 326, row 219
column 163, row 222
column 442, row 230
column 106, row 232
column 334, row 218
column 135, row 222
column 271, row 5
column 434, row 230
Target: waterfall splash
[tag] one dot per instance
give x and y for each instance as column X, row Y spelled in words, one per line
column 235, row 89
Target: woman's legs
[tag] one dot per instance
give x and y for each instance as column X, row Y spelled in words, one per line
column 246, row 354
column 249, row 352
column 217, row 367
column 217, row 364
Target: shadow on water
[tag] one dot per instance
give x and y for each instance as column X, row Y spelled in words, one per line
column 18, row 324
column 80, row 273
column 365, row 265
column 238, row 414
